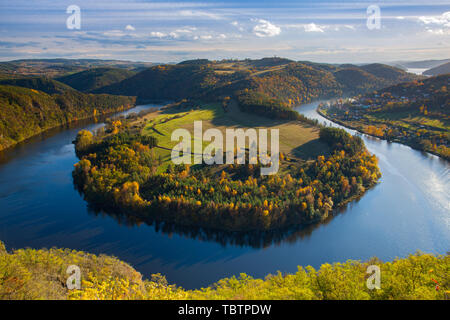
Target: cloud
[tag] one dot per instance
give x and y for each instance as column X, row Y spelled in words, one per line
column 442, row 23
column 438, row 31
column 186, row 30
column 442, row 20
column 312, row 27
column 199, row 14
column 266, row 29
column 237, row 25
column 157, row 34
column 129, row 27
column 114, row 33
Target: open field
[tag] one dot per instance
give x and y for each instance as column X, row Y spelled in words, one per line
column 297, row 140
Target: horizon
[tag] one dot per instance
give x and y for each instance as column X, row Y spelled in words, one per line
column 225, row 59
column 324, row 31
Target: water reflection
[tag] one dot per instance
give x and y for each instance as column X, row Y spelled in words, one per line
column 253, row 239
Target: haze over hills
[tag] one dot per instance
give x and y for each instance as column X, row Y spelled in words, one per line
column 442, row 69
column 423, row 64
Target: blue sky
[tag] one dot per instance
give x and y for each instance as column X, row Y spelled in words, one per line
column 172, row 31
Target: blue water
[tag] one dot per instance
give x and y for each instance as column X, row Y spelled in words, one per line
column 39, row 207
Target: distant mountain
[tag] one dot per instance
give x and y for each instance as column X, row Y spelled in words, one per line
column 92, row 79
column 424, row 64
column 442, row 69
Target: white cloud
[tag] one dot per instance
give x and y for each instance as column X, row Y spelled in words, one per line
column 438, row 31
column 400, row 18
column 186, row 30
column 442, row 20
column 114, row 33
column 206, row 37
column 199, row 14
column 130, row 28
column 237, row 25
column 312, row 27
column 157, row 34
column 266, row 29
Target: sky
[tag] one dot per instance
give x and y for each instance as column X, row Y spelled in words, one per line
column 171, row 31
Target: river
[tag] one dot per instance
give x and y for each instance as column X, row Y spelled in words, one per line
column 39, row 207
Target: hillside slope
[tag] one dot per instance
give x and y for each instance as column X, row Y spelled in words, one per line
column 92, row 79
column 26, row 111
column 442, row 69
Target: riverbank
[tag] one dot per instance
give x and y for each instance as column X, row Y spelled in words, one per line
column 358, row 128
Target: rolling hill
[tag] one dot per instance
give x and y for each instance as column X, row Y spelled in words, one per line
column 92, row 79
column 275, row 80
column 32, row 105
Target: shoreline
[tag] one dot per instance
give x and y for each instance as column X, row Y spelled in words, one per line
column 319, row 111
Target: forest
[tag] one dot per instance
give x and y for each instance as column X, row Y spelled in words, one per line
column 32, row 105
column 41, row 274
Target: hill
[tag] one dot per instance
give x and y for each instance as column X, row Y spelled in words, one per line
column 30, row 106
column 43, row 84
column 61, row 67
column 92, row 79
column 270, row 82
column 442, row 69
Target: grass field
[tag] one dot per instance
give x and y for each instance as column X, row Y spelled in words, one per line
column 297, row 140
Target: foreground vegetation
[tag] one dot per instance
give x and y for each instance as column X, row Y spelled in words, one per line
column 415, row 113
column 41, row 274
column 120, row 169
